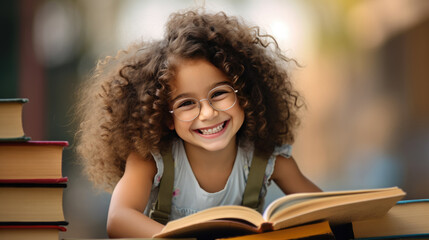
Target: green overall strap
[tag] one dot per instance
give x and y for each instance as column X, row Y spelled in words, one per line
column 162, row 210
column 255, row 180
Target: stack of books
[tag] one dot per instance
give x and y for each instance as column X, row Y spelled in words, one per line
column 31, row 181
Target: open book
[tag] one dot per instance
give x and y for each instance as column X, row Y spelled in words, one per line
column 295, row 209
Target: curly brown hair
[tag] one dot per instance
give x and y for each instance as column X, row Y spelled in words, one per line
column 124, row 107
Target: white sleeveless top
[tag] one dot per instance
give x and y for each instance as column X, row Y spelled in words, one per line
column 189, row 197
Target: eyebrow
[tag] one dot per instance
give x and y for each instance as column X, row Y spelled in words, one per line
column 211, row 87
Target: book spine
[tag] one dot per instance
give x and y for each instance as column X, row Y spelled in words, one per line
column 17, row 139
column 34, row 181
column 35, row 143
column 412, row 201
column 326, row 236
column 21, row 100
column 60, row 228
column 407, row 236
column 266, row 227
column 34, row 185
column 50, row 223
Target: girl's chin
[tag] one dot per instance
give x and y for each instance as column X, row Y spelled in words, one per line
column 213, row 147
column 213, row 144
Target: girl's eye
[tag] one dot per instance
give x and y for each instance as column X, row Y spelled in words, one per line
column 186, row 104
column 219, row 95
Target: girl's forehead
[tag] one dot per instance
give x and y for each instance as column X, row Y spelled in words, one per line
column 196, row 76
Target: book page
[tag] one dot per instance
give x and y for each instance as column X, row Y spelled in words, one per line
column 220, row 212
column 337, row 209
column 293, row 199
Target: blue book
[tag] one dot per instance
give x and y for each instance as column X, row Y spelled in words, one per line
column 407, row 219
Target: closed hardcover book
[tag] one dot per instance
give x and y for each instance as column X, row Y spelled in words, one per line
column 11, row 127
column 318, row 230
column 33, row 232
column 407, row 219
column 31, row 160
column 32, row 204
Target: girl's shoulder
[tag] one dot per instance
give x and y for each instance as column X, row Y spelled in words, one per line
column 284, row 150
column 157, row 157
column 247, row 151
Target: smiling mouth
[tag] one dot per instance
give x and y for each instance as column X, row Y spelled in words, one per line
column 209, row 131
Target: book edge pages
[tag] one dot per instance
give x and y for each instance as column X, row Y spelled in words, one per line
column 302, row 196
column 338, row 217
column 214, row 228
column 219, row 212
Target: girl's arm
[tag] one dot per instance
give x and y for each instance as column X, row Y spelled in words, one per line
column 129, row 199
column 289, row 178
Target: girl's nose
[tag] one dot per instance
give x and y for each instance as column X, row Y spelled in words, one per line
column 206, row 112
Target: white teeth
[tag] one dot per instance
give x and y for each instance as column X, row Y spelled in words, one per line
column 212, row 130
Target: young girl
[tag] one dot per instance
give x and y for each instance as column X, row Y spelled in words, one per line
column 211, row 93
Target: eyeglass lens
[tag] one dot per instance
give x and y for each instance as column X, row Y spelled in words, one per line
column 220, row 98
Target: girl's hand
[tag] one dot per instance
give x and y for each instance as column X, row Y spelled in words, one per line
column 129, row 199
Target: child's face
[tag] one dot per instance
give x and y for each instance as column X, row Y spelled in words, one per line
column 211, row 130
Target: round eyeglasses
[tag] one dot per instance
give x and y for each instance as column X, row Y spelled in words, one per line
column 220, row 98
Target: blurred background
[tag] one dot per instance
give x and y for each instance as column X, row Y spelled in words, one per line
column 365, row 78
